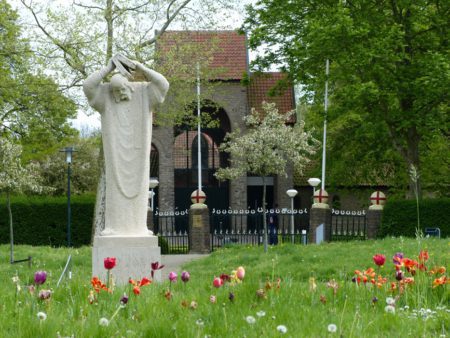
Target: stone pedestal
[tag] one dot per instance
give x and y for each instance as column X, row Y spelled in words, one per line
column 133, row 254
column 373, row 218
column 320, row 214
column 199, row 229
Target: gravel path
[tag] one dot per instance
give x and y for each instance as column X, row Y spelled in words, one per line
column 174, row 262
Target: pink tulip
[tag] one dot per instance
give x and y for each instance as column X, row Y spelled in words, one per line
column 173, row 276
column 217, row 282
column 240, row 273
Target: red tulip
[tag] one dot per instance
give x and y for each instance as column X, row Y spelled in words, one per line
column 155, row 266
column 110, row 262
column 379, row 259
column 423, row 256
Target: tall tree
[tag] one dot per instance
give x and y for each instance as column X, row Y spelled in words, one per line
column 266, row 148
column 32, row 108
column 389, row 75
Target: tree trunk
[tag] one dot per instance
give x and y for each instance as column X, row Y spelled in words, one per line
column 264, row 214
column 11, row 229
column 110, row 28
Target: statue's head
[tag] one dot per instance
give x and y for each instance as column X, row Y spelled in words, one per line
column 121, row 88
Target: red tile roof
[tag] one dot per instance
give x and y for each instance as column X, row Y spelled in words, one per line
column 229, row 50
column 259, row 87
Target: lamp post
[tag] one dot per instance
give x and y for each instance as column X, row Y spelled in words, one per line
column 314, row 182
column 69, row 151
column 153, row 183
column 292, row 193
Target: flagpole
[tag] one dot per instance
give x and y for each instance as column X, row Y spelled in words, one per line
column 324, row 146
column 199, row 151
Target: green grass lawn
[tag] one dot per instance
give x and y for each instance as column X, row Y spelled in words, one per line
column 302, row 289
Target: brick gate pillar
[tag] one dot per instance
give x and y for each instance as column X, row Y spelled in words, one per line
column 377, row 200
column 199, row 227
column 320, row 219
column 373, row 222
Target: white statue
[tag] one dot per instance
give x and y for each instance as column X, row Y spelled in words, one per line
column 126, row 115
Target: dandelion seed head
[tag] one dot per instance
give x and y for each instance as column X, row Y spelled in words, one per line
column 332, row 328
column 103, row 321
column 199, row 322
column 42, row 316
column 282, row 329
column 389, row 309
column 390, row 301
column 260, row 313
column 250, row 319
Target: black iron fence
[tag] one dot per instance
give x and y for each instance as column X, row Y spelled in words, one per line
column 172, row 229
column 246, row 226
column 348, row 225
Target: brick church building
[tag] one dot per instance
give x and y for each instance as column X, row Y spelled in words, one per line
column 174, row 149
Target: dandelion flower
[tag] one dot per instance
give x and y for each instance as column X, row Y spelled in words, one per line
column 250, row 319
column 42, row 316
column 389, row 309
column 103, row 321
column 282, row 329
column 260, row 313
column 332, row 328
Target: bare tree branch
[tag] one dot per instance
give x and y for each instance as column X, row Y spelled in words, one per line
column 170, row 18
column 87, row 6
column 70, row 57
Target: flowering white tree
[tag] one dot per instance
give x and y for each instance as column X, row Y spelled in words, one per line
column 15, row 178
column 267, row 147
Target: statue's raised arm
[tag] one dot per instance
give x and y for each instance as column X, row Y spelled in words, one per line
column 158, row 84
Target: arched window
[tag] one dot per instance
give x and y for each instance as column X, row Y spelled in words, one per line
column 186, row 158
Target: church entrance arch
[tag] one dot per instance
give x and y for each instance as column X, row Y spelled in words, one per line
column 186, row 158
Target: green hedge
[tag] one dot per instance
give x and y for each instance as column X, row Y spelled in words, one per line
column 400, row 217
column 43, row 220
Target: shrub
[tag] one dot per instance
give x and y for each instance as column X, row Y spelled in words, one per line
column 400, row 217
column 43, row 220
column 162, row 243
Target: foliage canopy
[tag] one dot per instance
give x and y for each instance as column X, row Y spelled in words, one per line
column 389, row 78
